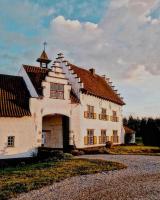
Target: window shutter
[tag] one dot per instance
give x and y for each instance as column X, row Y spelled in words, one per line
column 100, row 140
column 117, row 139
column 111, row 138
column 94, row 115
column 95, row 139
column 86, row 114
column 85, row 140
column 100, row 116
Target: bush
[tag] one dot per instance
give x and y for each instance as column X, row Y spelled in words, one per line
column 109, row 144
column 50, row 154
column 96, row 150
column 3, row 164
column 67, row 156
column 77, row 152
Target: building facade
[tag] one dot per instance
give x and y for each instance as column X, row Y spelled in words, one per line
column 57, row 107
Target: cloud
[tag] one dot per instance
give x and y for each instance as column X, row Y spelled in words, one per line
column 136, row 74
column 121, row 34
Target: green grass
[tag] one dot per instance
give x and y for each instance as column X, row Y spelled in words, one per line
column 124, row 150
column 137, row 149
column 23, row 179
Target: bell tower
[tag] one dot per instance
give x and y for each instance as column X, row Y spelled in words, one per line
column 43, row 59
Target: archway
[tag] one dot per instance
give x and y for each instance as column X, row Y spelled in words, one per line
column 55, row 131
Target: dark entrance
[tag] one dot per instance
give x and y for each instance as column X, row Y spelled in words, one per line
column 65, row 125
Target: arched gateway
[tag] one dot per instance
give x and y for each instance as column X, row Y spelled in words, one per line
column 55, row 131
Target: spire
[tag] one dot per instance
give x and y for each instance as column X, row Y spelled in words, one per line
column 43, row 59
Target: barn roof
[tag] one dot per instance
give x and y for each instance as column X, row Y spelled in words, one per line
column 14, row 97
column 128, row 130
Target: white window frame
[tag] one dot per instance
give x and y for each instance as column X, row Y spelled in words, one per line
column 11, row 141
column 57, row 93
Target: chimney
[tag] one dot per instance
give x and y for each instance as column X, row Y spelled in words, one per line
column 92, row 70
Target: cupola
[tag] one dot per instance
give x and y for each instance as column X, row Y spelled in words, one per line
column 43, row 59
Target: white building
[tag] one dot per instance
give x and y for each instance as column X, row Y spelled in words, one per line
column 57, row 107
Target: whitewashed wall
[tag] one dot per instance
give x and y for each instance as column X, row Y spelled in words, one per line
column 97, row 124
column 25, row 139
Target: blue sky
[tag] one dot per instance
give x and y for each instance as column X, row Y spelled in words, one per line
column 119, row 38
column 29, row 18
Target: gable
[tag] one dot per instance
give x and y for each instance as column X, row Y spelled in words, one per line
column 37, row 75
column 14, row 97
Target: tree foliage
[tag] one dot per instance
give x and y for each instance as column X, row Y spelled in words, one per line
column 147, row 128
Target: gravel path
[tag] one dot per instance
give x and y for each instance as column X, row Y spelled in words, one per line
column 140, row 181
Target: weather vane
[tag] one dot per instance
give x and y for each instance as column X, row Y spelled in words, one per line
column 45, row 44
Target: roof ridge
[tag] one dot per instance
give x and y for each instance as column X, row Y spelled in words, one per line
column 87, row 70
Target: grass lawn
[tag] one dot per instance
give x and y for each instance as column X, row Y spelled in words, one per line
column 23, row 179
column 124, row 150
column 137, row 149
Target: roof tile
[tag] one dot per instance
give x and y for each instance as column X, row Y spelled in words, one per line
column 14, row 97
column 96, row 85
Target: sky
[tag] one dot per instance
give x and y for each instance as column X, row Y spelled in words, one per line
column 119, row 38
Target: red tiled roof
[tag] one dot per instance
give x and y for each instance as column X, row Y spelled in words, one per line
column 96, row 85
column 14, row 97
column 128, row 130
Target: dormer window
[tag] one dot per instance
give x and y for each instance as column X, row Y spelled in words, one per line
column 57, row 91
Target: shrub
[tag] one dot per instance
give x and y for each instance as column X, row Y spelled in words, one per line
column 47, row 153
column 77, row 152
column 109, row 144
column 67, row 156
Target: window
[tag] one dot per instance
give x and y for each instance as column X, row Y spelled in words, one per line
column 114, row 114
column 90, row 112
column 103, row 136
column 103, row 115
column 115, row 138
column 90, row 109
column 104, row 111
column 57, row 91
column 11, row 140
column 90, row 139
column 114, row 117
column 90, row 135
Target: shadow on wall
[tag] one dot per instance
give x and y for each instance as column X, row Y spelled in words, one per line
column 30, row 153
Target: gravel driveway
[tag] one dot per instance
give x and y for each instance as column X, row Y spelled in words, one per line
column 140, row 181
